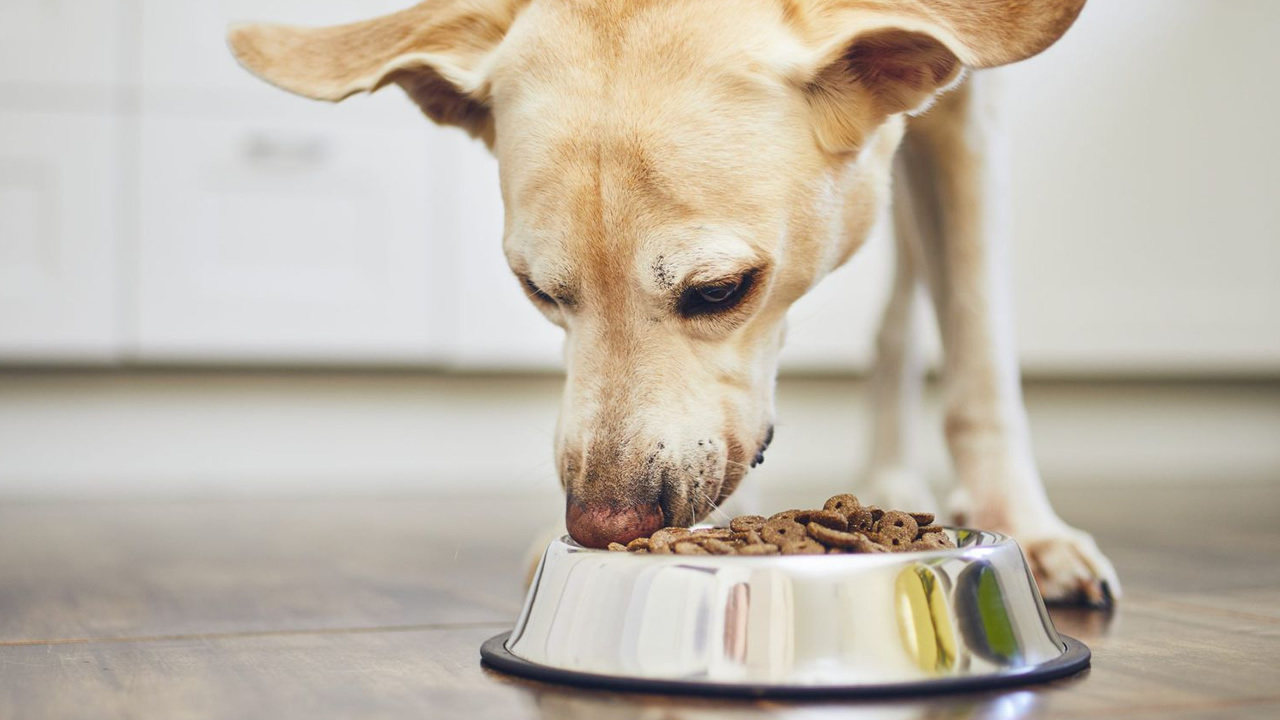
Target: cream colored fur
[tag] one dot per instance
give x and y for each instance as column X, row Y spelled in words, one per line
column 649, row 148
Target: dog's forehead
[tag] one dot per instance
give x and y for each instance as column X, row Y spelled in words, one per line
column 627, row 145
column 567, row 35
column 656, row 205
column 579, row 61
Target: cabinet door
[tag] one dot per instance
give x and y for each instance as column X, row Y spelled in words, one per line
column 60, row 43
column 184, row 43
column 1144, row 199
column 57, row 237
column 292, row 242
column 1145, row 192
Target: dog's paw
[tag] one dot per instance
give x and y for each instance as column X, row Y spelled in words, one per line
column 1068, row 566
column 900, row 489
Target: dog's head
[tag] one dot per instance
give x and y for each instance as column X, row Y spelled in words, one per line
column 676, row 173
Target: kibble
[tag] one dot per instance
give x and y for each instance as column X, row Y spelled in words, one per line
column 860, row 520
column 843, row 504
column 842, row 526
column 893, row 537
column 825, row 518
column 782, row 530
column 803, row 546
column 688, row 547
column 903, row 522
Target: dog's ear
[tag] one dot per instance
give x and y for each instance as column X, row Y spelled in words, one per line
column 877, row 58
column 433, row 50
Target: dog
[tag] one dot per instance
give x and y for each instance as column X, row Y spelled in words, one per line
column 676, row 173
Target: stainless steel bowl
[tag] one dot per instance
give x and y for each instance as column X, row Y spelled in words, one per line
column 788, row 625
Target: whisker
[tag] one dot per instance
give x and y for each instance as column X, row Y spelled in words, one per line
column 713, row 510
column 721, row 517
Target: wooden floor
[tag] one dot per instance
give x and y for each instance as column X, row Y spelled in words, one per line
column 377, row 608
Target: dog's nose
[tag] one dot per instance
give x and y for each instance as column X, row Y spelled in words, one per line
column 596, row 526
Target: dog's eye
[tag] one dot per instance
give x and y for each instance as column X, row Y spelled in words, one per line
column 715, row 297
column 719, row 293
column 536, row 292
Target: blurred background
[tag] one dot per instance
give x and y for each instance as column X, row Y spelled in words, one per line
column 208, row 287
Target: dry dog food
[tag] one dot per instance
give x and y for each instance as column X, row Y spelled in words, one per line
column 843, row 525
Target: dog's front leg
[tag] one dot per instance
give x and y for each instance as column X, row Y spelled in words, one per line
column 956, row 172
column 893, row 476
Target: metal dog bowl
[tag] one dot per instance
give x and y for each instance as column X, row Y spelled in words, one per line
column 911, row 622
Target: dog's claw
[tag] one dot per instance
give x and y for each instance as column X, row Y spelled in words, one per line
column 1097, row 595
column 1069, row 568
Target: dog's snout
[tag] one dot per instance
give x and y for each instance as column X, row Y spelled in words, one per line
column 596, row 526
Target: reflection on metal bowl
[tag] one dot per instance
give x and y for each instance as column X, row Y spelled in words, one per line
column 788, row 625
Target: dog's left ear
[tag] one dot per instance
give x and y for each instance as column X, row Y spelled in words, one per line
column 434, row 50
column 876, row 58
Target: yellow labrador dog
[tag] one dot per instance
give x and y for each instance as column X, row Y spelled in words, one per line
column 676, row 173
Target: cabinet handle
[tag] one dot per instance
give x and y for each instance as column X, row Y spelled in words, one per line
column 280, row 149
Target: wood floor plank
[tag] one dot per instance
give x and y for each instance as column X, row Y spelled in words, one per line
column 409, row 674
column 1206, row 538
column 1215, row 667
column 376, row 608
column 1262, row 603
column 115, row 569
column 1156, row 656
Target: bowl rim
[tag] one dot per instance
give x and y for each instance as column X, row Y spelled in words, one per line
column 1075, row 657
column 997, row 539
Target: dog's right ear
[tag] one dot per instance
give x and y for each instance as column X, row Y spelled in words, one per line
column 434, row 51
column 874, row 58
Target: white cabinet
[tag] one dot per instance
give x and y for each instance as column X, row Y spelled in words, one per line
column 277, row 229
column 61, row 43
column 1146, row 198
column 184, row 43
column 60, row 180
column 58, row 230
column 299, row 242
column 1146, row 204
column 158, row 204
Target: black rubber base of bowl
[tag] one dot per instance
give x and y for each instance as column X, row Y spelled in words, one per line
column 494, row 653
